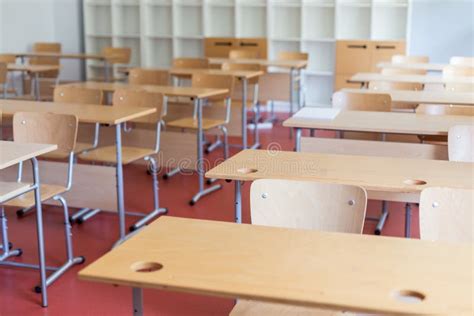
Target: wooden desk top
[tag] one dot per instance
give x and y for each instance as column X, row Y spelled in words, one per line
column 170, row 91
column 9, row 190
column 424, row 79
column 187, row 72
column 414, row 66
column 384, row 122
column 12, row 153
column 373, row 173
column 62, row 55
column 85, row 113
column 425, row 96
column 298, row 64
column 301, row 267
column 32, row 68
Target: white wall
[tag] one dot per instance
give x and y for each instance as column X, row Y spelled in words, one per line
column 23, row 22
column 441, row 29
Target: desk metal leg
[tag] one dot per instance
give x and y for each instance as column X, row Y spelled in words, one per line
column 39, row 231
column 200, row 156
column 244, row 113
column 37, row 87
column 407, row 220
column 298, row 140
column 119, row 176
column 22, row 60
column 137, row 294
column 238, row 202
column 106, row 71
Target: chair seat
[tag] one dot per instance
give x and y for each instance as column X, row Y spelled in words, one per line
column 252, row 308
column 191, row 123
column 28, row 199
column 108, row 154
column 80, row 147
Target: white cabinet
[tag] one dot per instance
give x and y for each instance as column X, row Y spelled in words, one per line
column 160, row 30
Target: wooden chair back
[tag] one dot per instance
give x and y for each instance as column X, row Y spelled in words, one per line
column 444, row 109
column 141, row 98
column 308, row 205
column 243, row 67
column 388, row 85
column 3, row 73
column 117, row 55
column 46, row 48
column 293, row 56
column 46, row 128
column 193, row 63
column 459, row 87
column 457, row 71
column 243, row 54
column 201, row 80
column 353, row 101
column 404, row 59
column 71, row 94
column 462, row 61
column 461, row 143
column 399, row 71
column 7, row 58
column 446, row 215
column 373, row 148
column 143, row 76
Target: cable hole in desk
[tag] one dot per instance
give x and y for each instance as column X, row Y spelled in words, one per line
column 246, row 170
column 146, row 267
column 414, row 182
column 408, row 296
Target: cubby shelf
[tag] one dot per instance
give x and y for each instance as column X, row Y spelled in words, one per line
column 160, row 30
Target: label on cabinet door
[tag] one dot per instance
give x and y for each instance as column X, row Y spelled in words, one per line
column 317, row 113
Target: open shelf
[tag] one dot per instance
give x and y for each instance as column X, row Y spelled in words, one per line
column 159, row 52
column 127, row 20
column 159, row 20
column 220, row 19
column 191, row 13
column 389, row 23
column 285, row 21
column 319, row 21
column 252, row 21
column 353, row 22
column 323, row 55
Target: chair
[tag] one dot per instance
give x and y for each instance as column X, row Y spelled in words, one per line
column 107, row 154
column 461, row 143
column 218, row 107
column 353, row 101
column 446, row 215
column 243, row 54
column 462, row 61
column 302, row 205
column 404, row 59
column 7, row 58
column 69, row 94
column 401, row 71
column 49, row 128
column 457, row 71
column 194, row 63
column 116, row 56
column 441, row 109
column 298, row 79
column 142, row 76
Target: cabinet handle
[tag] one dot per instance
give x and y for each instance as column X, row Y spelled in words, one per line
column 385, row 46
column 357, row 46
column 223, row 43
column 249, row 44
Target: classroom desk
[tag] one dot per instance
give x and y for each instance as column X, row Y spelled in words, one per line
column 11, row 154
column 365, row 77
column 34, row 70
column 107, row 115
column 243, row 76
column 424, row 96
column 379, row 122
column 370, row 274
column 413, row 66
column 294, row 66
column 396, row 179
column 198, row 94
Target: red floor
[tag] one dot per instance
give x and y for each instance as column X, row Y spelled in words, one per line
column 69, row 296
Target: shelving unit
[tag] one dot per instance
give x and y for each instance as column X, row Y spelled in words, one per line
column 160, row 30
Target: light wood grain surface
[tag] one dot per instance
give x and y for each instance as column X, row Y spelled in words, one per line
column 263, row 62
column 166, row 90
column 373, row 173
column 188, row 72
column 384, row 122
column 413, row 66
column 301, row 267
column 426, row 96
column 85, row 113
column 9, row 190
column 424, row 79
column 33, row 68
column 12, row 153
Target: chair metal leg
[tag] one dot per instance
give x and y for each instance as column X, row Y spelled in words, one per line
column 171, row 173
column 6, row 245
column 25, row 211
column 382, row 219
column 78, row 214
column 88, row 215
column 218, row 143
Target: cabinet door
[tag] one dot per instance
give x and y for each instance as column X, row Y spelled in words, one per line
column 342, row 81
column 219, row 47
column 353, row 57
column 255, row 44
column 382, row 51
